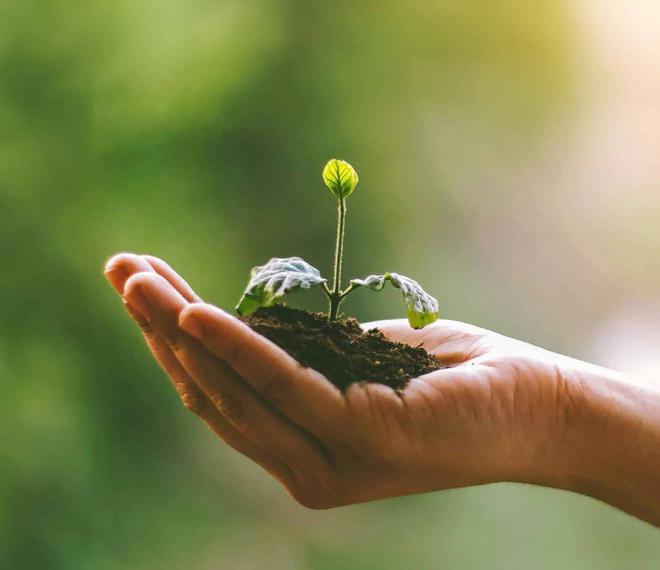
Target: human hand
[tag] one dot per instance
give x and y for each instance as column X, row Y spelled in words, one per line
column 504, row 411
column 492, row 416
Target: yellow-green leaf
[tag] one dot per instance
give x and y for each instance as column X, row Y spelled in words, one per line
column 340, row 177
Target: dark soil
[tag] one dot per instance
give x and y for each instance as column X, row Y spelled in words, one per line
column 341, row 350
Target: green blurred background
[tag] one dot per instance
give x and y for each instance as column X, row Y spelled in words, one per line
column 508, row 156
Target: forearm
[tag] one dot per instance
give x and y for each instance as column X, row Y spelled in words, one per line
column 613, row 441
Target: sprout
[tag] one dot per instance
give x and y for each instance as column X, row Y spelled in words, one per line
column 280, row 276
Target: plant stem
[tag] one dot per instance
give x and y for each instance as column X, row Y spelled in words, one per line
column 336, row 294
column 346, row 291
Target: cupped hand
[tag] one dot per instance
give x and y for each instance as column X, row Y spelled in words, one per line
column 496, row 414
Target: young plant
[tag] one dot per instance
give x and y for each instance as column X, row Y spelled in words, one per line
column 280, row 276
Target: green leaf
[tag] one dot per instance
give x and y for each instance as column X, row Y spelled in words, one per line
column 270, row 282
column 340, row 177
column 421, row 308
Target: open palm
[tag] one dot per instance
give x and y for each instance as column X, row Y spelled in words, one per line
column 491, row 416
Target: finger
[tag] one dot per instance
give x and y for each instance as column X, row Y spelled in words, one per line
column 191, row 396
column 178, row 282
column 300, row 393
column 161, row 304
column 156, row 335
column 197, row 402
column 119, row 269
column 243, row 408
column 121, row 266
column 157, row 301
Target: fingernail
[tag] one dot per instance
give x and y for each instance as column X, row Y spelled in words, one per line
column 193, row 326
column 142, row 322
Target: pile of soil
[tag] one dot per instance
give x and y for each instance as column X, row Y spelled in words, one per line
column 341, row 350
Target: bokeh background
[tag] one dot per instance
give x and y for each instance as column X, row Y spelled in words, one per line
column 509, row 155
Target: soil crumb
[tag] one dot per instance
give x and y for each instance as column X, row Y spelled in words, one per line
column 341, row 350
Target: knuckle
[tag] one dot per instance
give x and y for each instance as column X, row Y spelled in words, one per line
column 189, row 397
column 230, row 408
column 145, row 326
column 191, row 403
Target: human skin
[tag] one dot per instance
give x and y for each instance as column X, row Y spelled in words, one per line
column 503, row 411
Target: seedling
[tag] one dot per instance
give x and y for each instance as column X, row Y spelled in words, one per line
column 270, row 282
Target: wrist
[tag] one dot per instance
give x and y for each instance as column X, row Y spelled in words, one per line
column 610, row 449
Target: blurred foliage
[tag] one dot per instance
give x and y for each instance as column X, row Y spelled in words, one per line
column 197, row 132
